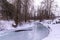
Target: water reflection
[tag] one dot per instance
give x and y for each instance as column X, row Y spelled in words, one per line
column 38, row 33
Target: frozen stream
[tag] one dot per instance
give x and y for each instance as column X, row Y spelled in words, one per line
column 38, row 32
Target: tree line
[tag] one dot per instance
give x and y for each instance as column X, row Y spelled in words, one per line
column 20, row 11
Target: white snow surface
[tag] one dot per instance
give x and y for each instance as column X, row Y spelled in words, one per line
column 7, row 25
column 54, row 28
column 54, row 32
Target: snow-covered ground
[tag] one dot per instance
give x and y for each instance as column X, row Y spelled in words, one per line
column 7, row 25
column 37, row 33
column 54, row 34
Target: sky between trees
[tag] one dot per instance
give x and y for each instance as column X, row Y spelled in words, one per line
column 37, row 3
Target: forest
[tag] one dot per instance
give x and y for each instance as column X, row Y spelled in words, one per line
column 24, row 10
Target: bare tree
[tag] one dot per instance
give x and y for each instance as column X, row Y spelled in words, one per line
column 22, row 12
column 18, row 15
column 45, row 11
column 7, row 9
column 25, row 10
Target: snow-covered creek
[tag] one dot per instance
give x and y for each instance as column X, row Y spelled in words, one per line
column 38, row 32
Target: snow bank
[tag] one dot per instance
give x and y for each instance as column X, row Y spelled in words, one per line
column 7, row 25
column 54, row 31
